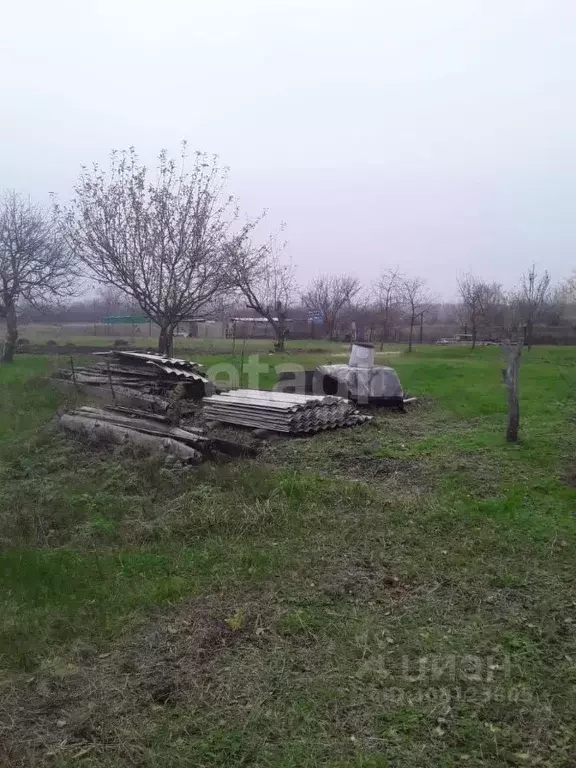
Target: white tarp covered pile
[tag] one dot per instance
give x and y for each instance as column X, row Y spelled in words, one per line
column 365, row 384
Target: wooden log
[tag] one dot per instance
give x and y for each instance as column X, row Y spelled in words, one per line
column 85, row 378
column 142, row 425
column 187, row 435
column 104, row 432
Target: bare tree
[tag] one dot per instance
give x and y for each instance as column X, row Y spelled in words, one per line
column 525, row 305
column 114, row 301
column 327, row 296
column 388, row 299
column 481, row 304
column 161, row 240
column 571, row 287
column 470, row 289
column 267, row 283
column 35, row 265
column 561, row 304
column 416, row 301
column 531, row 298
column 565, row 293
column 493, row 302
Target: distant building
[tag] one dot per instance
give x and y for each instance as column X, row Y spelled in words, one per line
column 251, row 328
column 232, row 327
column 201, row 328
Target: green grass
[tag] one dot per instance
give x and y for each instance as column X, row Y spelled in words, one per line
column 401, row 594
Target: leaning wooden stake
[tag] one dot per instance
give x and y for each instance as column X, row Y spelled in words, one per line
column 73, row 373
column 513, row 352
column 242, row 361
column 110, row 382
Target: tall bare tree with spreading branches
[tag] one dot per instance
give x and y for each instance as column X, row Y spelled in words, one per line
column 267, row 282
column 387, row 295
column 470, row 289
column 531, row 299
column 328, row 295
column 416, row 301
column 482, row 305
column 35, row 265
column 160, row 238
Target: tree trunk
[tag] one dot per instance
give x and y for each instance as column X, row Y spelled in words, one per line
column 166, row 340
column 384, row 329
column 383, row 337
column 280, row 331
column 474, row 333
column 411, row 334
column 513, row 352
column 421, row 326
column 11, row 332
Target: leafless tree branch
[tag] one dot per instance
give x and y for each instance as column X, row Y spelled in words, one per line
column 266, row 281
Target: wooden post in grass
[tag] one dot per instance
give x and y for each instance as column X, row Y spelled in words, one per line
column 110, row 381
column 233, row 337
column 73, row 373
column 242, row 360
column 513, row 351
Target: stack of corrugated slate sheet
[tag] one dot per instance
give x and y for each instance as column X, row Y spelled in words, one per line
column 172, row 367
column 281, row 411
column 142, row 372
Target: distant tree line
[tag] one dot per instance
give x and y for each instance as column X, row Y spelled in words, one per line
column 171, row 244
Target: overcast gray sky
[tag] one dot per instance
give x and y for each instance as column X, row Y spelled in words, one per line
column 439, row 135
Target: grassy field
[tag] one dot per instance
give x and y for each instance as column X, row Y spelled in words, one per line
column 400, row 594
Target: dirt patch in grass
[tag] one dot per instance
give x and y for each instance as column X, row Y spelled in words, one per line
column 349, row 462
column 362, row 580
column 375, row 468
column 101, row 699
column 570, row 476
column 224, row 653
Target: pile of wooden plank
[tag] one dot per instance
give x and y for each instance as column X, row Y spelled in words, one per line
column 148, row 432
column 282, row 411
column 135, row 379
